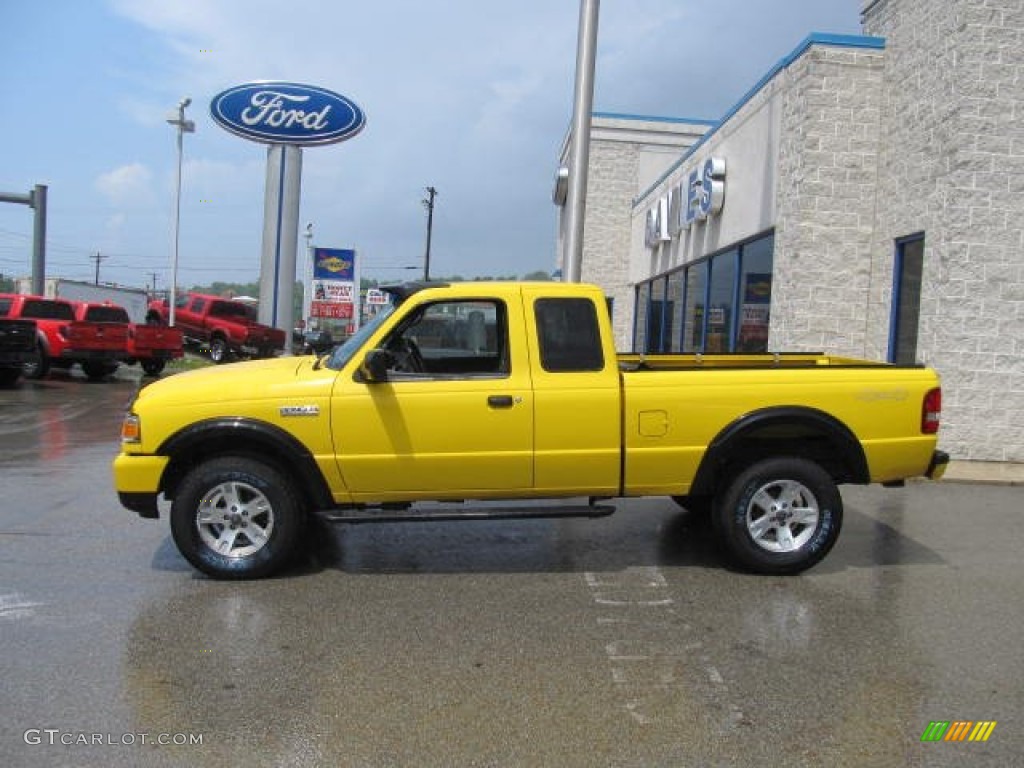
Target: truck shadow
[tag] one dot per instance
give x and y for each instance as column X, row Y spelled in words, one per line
column 651, row 533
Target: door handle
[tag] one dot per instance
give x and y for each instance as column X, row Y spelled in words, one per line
column 500, row 401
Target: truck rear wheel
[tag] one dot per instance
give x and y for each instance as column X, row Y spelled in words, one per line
column 153, row 366
column 38, row 363
column 219, row 350
column 237, row 518
column 98, row 370
column 779, row 516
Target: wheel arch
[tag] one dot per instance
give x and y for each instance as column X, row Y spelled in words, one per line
column 249, row 438
column 786, row 430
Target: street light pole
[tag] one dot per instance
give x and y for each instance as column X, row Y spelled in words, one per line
column 583, row 101
column 184, row 126
column 428, row 202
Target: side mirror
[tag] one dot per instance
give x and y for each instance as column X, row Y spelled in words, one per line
column 376, row 364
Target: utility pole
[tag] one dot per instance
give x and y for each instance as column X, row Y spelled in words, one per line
column 36, row 200
column 428, row 203
column 153, row 291
column 98, row 258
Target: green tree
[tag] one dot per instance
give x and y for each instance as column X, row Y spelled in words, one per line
column 539, row 275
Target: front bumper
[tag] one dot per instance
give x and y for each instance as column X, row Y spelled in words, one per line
column 937, row 466
column 137, row 480
column 76, row 355
column 144, row 504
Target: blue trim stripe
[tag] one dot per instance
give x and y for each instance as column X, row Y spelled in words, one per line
column 653, row 118
column 277, row 234
column 815, row 38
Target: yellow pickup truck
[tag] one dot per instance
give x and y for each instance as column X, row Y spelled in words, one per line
column 499, row 391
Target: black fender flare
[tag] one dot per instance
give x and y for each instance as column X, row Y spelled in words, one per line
column 726, row 444
column 249, row 437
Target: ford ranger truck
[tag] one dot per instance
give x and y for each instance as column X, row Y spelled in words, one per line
column 514, row 391
column 61, row 340
column 224, row 328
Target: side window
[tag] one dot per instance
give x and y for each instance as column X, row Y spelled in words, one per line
column 5, row 307
column 181, row 300
column 197, row 306
column 453, row 339
column 569, row 335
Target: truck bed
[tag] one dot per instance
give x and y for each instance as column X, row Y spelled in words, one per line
column 694, row 362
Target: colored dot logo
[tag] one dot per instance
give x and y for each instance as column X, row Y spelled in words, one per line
column 958, row 730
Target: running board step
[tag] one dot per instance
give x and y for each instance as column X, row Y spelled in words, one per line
column 441, row 514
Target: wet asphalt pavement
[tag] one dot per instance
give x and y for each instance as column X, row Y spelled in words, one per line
column 623, row 641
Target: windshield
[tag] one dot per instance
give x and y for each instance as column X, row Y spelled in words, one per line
column 343, row 353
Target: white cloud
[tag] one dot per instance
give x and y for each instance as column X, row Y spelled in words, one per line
column 130, row 185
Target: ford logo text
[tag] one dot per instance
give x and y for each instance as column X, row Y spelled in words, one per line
column 287, row 113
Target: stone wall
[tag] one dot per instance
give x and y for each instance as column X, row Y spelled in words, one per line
column 952, row 167
column 828, row 161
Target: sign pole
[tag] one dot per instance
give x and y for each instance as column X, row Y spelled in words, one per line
column 280, row 239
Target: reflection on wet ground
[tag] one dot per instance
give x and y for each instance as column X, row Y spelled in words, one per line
column 621, row 641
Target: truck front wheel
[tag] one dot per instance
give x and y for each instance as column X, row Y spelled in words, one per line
column 153, row 366
column 779, row 516
column 237, row 518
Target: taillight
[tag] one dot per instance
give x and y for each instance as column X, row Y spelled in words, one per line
column 931, row 411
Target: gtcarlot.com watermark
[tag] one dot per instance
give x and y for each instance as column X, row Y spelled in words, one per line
column 57, row 737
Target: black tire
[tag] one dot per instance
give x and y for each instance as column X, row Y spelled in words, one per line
column 220, row 352
column 237, row 518
column 8, row 376
column 38, row 365
column 697, row 506
column 98, row 370
column 779, row 516
column 153, row 366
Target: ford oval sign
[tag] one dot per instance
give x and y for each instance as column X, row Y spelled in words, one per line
column 287, row 113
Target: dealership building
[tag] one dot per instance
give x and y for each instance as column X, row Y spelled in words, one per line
column 864, row 198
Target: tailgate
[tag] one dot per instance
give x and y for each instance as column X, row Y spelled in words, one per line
column 107, row 337
column 156, row 340
column 17, row 335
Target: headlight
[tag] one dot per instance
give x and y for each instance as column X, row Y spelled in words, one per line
column 131, row 429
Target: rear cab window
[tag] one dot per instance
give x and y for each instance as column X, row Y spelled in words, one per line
column 42, row 309
column 569, row 335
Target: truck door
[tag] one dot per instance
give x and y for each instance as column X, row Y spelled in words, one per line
column 576, row 396
column 454, row 419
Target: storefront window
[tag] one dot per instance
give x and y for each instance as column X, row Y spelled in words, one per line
column 736, row 288
column 755, row 295
column 720, row 315
column 643, row 295
column 655, row 318
column 674, row 312
column 693, row 315
column 906, row 300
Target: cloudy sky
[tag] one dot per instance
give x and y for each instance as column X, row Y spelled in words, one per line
column 472, row 97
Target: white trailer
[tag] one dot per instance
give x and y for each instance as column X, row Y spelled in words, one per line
column 134, row 300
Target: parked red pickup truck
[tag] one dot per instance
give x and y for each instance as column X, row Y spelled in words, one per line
column 149, row 345
column 223, row 327
column 61, row 340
